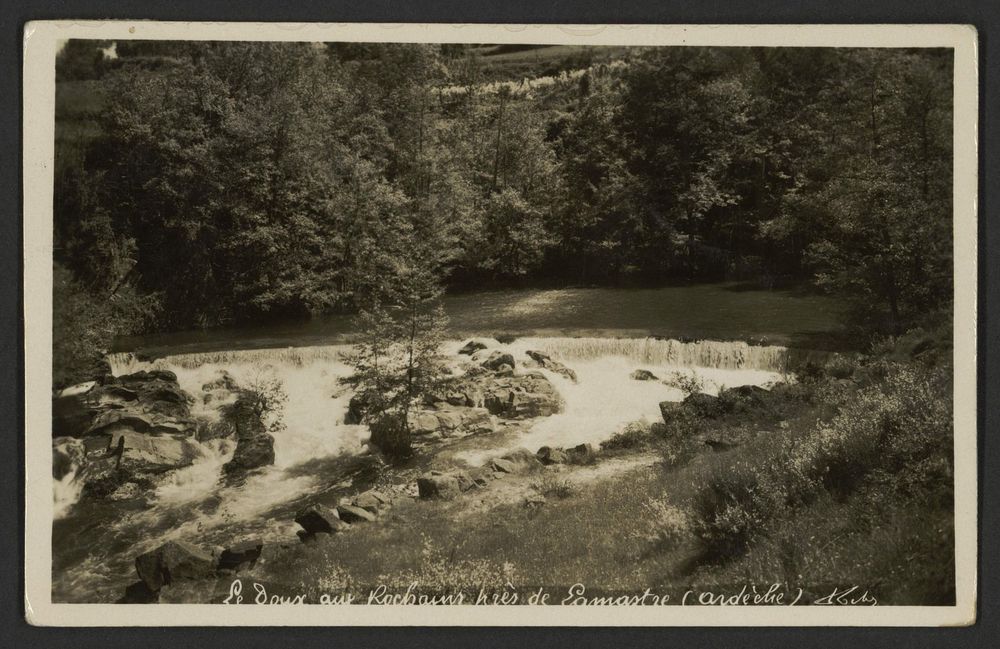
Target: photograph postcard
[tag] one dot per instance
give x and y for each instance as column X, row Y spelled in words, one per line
column 500, row 325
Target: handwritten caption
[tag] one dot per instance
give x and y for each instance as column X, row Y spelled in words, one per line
column 576, row 595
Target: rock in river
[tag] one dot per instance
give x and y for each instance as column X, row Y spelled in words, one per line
column 546, row 361
column 497, row 360
column 521, row 397
column 450, row 421
column 471, row 347
column 251, row 453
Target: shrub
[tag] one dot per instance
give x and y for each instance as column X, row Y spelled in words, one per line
column 84, row 323
column 668, row 526
column 391, row 435
column 551, row 485
column 896, row 432
column 635, row 435
column 732, row 507
column 687, row 382
column 894, row 425
column 265, row 395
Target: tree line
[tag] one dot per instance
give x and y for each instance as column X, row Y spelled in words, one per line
column 225, row 182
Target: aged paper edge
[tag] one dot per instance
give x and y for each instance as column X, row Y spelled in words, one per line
column 39, row 48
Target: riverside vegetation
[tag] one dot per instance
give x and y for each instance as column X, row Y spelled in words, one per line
column 207, row 183
column 843, row 478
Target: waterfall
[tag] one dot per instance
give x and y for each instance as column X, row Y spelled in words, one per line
column 719, row 354
column 66, row 492
column 127, row 362
column 730, row 355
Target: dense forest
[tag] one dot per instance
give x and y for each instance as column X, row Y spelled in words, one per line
column 199, row 184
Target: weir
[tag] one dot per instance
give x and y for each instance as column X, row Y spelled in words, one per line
column 715, row 354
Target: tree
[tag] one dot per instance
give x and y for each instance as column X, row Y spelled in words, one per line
column 396, row 361
column 884, row 196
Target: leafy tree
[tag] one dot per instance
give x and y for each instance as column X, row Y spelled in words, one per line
column 85, row 323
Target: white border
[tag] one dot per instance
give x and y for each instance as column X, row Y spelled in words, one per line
column 40, row 42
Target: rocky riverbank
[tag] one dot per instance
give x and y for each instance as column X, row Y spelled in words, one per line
column 118, row 437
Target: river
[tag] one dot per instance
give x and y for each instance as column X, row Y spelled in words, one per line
column 725, row 311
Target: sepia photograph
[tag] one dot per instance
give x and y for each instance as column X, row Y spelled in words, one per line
column 461, row 321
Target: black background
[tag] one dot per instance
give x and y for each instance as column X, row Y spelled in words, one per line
column 14, row 631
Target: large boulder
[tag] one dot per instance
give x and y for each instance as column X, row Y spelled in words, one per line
column 438, row 485
column 317, row 518
column 372, row 501
column 457, row 392
column 581, row 454
column 668, row 409
column 521, row 397
column 240, row 555
column 115, row 396
column 450, row 422
column 241, row 418
column 643, row 375
column 172, row 561
column 151, row 453
column 520, row 460
column 146, row 376
column 548, row 455
column 143, row 402
column 351, row 514
column 251, row 453
column 745, row 397
column 139, row 593
column 471, row 347
column 497, row 360
column 704, row 405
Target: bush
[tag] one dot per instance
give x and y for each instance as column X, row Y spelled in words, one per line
column 687, row 382
column 391, row 435
column 635, row 435
column 551, row 485
column 732, row 507
column 265, row 395
column 669, row 526
column 895, row 433
column 895, row 425
column 84, row 323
